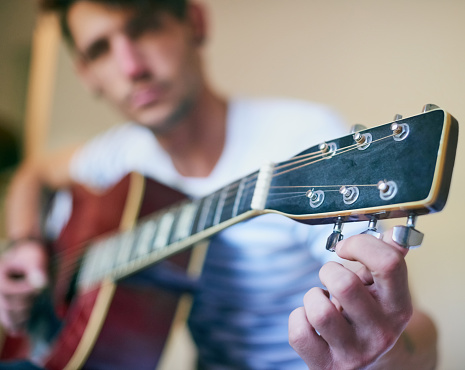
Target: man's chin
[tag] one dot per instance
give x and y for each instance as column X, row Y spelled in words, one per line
column 158, row 124
column 162, row 118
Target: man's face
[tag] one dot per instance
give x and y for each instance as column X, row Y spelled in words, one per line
column 147, row 65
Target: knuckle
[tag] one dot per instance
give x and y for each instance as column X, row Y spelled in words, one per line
column 404, row 315
column 317, row 311
column 384, row 340
column 392, row 262
column 345, row 287
column 321, row 316
column 298, row 339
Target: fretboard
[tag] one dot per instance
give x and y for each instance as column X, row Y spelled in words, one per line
column 167, row 232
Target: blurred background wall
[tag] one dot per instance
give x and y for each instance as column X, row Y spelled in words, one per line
column 367, row 59
column 16, row 25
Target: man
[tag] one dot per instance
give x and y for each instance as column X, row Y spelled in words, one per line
column 145, row 58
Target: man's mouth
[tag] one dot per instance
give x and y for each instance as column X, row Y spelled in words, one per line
column 145, row 96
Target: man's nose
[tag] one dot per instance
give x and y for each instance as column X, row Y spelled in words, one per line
column 129, row 58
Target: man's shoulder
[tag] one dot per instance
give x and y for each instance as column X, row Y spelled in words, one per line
column 293, row 113
column 275, row 129
column 275, row 119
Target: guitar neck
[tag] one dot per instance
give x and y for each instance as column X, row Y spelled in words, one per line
column 168, row 232
column 393, row 170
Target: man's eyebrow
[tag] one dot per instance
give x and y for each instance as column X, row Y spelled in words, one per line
column 143, row 21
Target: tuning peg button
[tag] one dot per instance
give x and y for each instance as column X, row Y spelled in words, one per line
column 428, row 107
column 357, row 127
column 408, row 236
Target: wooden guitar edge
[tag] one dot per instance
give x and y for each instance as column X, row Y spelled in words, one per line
column 108, row 288
column 96, row 320
column 170, row 352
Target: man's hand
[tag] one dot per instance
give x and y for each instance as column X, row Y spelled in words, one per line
column 23, row 274
column 362, row 314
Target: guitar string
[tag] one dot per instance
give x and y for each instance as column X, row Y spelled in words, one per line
column 78, row 251
column 304, row 157
column 73, row 255
column 250, row 182
column 247, row 187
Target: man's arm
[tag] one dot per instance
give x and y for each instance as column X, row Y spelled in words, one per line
column 24, row 194
column 363, row 319
column 23, row 266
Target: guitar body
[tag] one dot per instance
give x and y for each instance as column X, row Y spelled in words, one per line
column 111, row 326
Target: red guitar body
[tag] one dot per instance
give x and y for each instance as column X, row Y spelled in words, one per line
column 111, row 326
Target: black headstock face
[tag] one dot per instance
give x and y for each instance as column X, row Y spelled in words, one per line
column 390, row 170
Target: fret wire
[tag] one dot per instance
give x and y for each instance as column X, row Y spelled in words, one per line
column 123, row 248
column 88, row 265
column 146, row 237
column 197, row 216
column 104, row 258
column 228, row 206
column 204, row 212
column 230, row 200
column 220, row 205
column 186, row 219
column 176, row 210
column 237, row 199
column 248, row 197
column 163, row 232
column 101, row 257
column 212, row 210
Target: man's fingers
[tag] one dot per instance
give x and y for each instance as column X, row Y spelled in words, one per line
column 15, row 312
column 350, row 293
column 384, row 260
column 19, row 282
column 15, row 324
column 304, row 339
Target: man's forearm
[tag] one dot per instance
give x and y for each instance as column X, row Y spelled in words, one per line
column 22, row 203
column 23, row 200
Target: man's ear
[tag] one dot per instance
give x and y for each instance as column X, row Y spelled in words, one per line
column 86, row 76
column 196, row 15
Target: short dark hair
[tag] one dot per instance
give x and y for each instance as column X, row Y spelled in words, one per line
column 178, row 8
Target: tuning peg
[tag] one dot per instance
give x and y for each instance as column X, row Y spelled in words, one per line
column 397, row 117
column 372, row 230
column 407, row 236
column 336, row 236
column 357, row 127
column 428, row 107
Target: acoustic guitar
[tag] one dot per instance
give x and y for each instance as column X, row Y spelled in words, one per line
column 95, row 317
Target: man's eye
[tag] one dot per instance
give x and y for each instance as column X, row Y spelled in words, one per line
column 96, row 50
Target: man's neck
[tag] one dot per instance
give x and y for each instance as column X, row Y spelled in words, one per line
column 195, row 145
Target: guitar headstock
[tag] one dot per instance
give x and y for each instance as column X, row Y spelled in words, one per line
column 399, row 169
